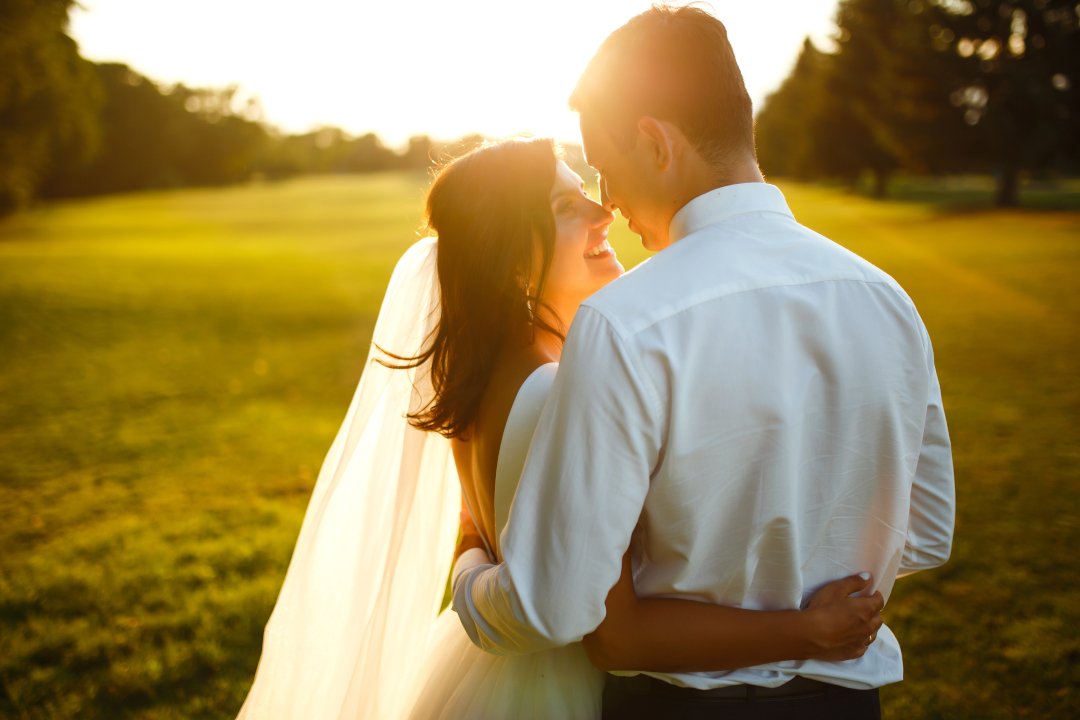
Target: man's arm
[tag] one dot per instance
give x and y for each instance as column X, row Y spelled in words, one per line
column 577, row 503
column 933, row 494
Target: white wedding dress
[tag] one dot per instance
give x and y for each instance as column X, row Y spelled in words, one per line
column 356, row 632
column 461, row 682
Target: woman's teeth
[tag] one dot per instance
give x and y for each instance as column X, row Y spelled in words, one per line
column 599, row 250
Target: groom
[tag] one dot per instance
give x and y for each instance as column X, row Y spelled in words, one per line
column 754, row 411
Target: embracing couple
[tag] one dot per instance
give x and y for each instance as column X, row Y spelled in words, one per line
column 703, row 476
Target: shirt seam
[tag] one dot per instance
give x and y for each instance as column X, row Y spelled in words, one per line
column 631, row 359
column 615, row 321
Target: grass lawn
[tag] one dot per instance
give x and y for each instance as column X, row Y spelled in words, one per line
column 173, row 367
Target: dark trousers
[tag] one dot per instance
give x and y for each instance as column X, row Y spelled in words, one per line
column 644, row 698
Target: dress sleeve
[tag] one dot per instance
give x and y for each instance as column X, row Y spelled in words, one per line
column 933, row 494
column 577, row 503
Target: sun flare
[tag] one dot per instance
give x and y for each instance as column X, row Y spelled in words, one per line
column 428, row 67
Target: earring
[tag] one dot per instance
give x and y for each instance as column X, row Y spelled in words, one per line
column 529, row 302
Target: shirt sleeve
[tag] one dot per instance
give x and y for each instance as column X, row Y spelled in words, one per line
column 933, row 494
column 576, row 505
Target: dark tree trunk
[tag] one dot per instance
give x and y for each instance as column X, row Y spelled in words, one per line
column 1008, row 187
column 881, row 183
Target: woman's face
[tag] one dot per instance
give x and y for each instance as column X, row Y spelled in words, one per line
column 582, row 261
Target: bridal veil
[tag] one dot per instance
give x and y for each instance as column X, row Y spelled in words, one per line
column 366, row 580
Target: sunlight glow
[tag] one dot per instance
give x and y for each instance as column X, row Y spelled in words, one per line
column 403, row 68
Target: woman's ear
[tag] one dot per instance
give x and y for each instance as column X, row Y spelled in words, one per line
column 657, row 140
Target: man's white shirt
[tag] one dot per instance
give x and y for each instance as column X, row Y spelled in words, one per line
column 762, row 405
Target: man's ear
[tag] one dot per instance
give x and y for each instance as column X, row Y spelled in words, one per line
column 657, row 140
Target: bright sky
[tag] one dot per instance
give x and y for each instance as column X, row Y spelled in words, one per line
column 406, row 67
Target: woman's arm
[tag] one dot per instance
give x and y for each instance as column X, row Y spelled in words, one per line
column 469, row 536
column 685, row 636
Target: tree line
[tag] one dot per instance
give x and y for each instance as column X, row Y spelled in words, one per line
column 914, row 86
column 150, row 136
column 933, row 87
column 70, row 127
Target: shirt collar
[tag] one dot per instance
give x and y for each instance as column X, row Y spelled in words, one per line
column 722, row 203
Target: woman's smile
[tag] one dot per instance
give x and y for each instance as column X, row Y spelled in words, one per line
column 600, row 249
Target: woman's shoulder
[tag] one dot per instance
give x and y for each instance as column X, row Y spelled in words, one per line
column 515, row 369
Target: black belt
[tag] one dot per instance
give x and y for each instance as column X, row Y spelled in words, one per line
column 796, row 687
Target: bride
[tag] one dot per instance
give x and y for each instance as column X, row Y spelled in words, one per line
column 428, row 457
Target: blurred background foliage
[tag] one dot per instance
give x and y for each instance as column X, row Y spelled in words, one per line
column 70, row 127
column 926, row 87
column 933, row 87
column 49, row 97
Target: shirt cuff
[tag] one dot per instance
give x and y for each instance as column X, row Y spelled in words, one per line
column 469, row 559
column 470, row 563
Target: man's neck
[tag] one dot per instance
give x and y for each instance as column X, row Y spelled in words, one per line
column 700, row 179
column 707, row 179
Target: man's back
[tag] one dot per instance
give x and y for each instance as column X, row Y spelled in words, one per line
column 788, row 382
column 755, row 412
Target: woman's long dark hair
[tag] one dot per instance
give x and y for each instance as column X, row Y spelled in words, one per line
column 491, row 210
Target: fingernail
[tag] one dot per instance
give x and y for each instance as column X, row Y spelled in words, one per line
column 864, row 575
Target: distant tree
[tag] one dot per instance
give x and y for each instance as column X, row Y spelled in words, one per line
column 865, row 78
column 368, row 154
column 287, row 155
column 933, row 86
column 1017, row 89
column 853, row 143
column 327, row 150
column 810, row 127
column 419, row 155
column 140, row 140
column 217, row 144
column 48, row 97
column 154, row 137
column 785, row 143
column 891, row 72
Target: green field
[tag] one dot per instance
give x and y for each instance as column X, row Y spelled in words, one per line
column 174, row 365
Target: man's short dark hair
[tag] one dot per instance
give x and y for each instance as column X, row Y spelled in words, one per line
column 674, row 64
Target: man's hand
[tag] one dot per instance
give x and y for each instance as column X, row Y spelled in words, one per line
column 845, row 625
